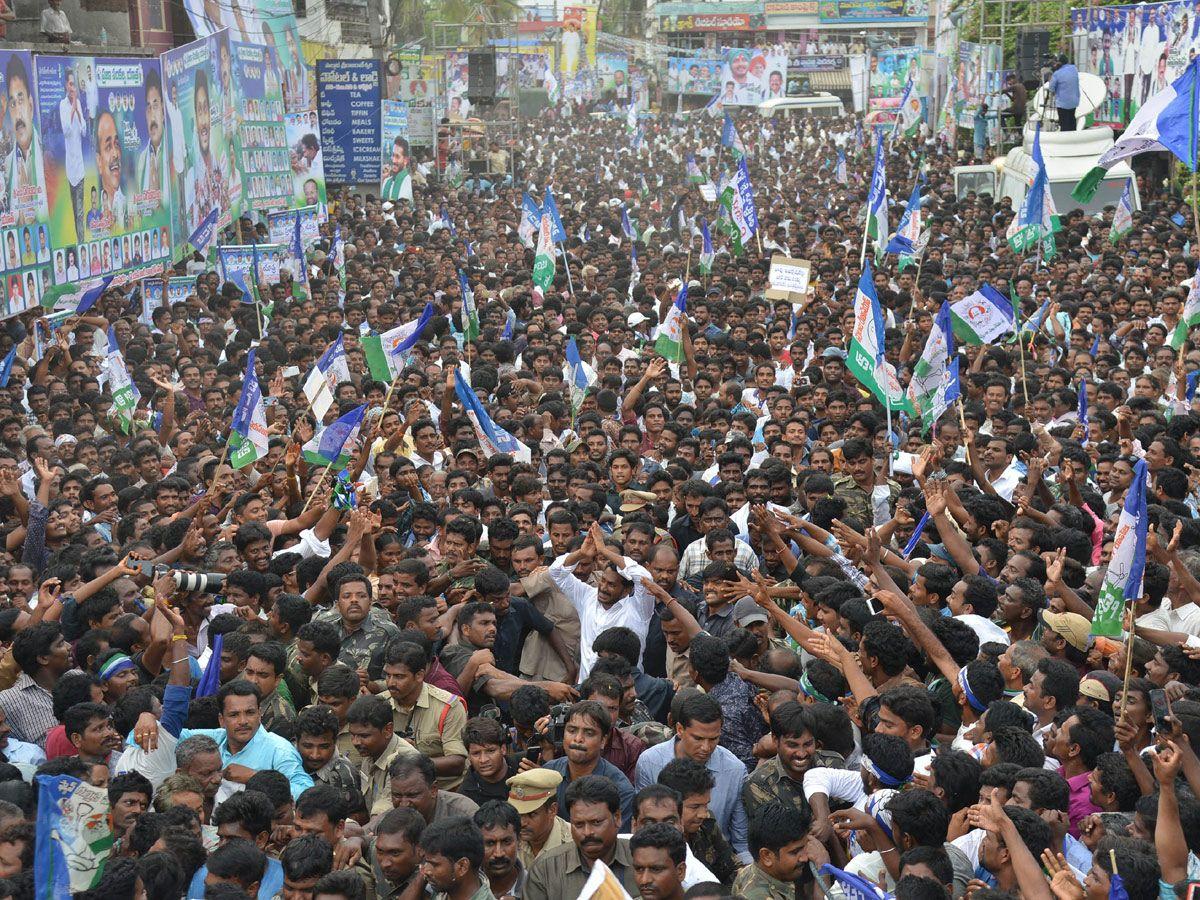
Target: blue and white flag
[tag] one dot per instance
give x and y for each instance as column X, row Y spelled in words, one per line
column 73, row 837
column 706, row 249
column 531, row 217
column 510, row 322
column 210, row 678
column 203, row 235
column 908, row 116
column 331, row 370
column 1166, row 121
column 839, row 173
column 92, row 294
column 1082, row 412
column 1122, row 222
column 1037, row 220
column 470, row 312
column 1123, row 577
column 865, row 359
column 854, row 887
column 125, row 395
column 877, row 203
column 907, row 238
column 627, row 228
column 638, row 137
column 328, row 447
column 935, row 382
column 635, row 273
column 982, row 317
column 386, row 353
column 694, row 174
column 631, row 117
column 558, row 234
column 492, row 438
column 6, row 366
column 248, row 437
column 916, row 535
column 578, row 375
column 731, row 139
column 715, row 106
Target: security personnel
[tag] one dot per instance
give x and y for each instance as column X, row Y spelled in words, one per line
column 534, row 795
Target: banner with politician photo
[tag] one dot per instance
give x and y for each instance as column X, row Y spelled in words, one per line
column 25, row 241
column 690, row 75
column 196, row 76
column 177, row 291
column 395, row 178
column 103, row 124
column 751, row 76
column 236, row 263
column 260, row 140
column 307, row 162
column 271, row 23
column 281, row 229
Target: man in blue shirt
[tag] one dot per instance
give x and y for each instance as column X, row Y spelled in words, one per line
column 1064, row 84
column 246, row 747
column 584, row 737
column 246, row 816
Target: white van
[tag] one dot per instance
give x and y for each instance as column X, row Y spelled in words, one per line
column 821, row 104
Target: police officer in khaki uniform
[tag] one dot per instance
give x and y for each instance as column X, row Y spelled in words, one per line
column 430, row 718
column 534, row 795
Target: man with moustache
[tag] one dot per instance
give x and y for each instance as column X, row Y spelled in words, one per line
column 501, row 827
column 151, row 174
column 108, row 169
column 25, row 185
column 205, row 184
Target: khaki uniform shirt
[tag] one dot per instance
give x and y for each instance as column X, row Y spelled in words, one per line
column 376, row 883
column 538, row 659
column 562, row 873
column 434, row 725
column 560, row 833
column 752, row 883
column 377, row 792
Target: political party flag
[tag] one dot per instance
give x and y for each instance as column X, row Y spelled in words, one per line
column 578, row 375
column 248, row 432
column 1095, row 348
column 510, row 321
column 706, row 249
column 73, row 836
column 1122, row 222
column 206, row 230
column 1033, row 325
column 447, row 222
column 1123, row 578
column 1116, row 888
column 839, row 173
column 865, row 359
column 877, row 211
column 549, row 207
column 125, row 395
column 210, row 678
column 854, row 887
column 982, row 317
column 715, row 106
column 627, row 228
column 492, row 438
column 916, row 535
column 343, row 494
column 1167, row 121
column 330, row 371
column 470, row 312
column 531, row 217
column 908, row 232
column 328, row 447
column 635, row 273
column 543, row 259
column 631, row 117
column 908, row 116
column 694, row 175
column 731, row 139
column 638, row 136
column 935, row 382
column 669, row 343
column 92, row 294
column 385, row 352
column 1082, row 413
column 1037, row 219
column 339, row 255
column 947, row 123
column 6, row 366
column 739, row 218
column 297, row 249
column 1190, row 317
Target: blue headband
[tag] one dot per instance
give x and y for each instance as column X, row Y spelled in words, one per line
column 884, row 778
column 968, row 693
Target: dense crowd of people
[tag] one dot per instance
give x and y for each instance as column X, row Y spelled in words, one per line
column 691, row 628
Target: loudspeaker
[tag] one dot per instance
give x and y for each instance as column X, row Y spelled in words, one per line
column 481, row 75
column 1033, row 52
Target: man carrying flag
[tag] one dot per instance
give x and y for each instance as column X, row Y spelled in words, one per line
column 669, row 343
column 1123, row 578
column 935, row 382
column 248, row 435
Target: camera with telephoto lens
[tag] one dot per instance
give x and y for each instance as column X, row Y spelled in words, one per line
column 204, row 582
column 558, row 723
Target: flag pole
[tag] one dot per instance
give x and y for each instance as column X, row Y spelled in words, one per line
column 567, row 266
column 313, row 493
column 1128, row 665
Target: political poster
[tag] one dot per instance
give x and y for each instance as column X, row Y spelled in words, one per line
column 689, row 75
column 306, row 159
column 749, row 76
column 236, row 264
column 971, row 79
column 177, row 291
column 577, row 45
column 1136, row 49
column 348, row 97
column 855, row 11
column 260, row 141
column 104, row 140
column 198, row 80
column 457, row 68
column 612, row 72
column 270, row 23
column 281, row 228
column 890, row 70
column 26, row 250
column 395, row 180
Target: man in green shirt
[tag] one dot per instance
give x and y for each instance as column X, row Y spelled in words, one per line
column 782, row 848
column 397, row 185
column 451, row 857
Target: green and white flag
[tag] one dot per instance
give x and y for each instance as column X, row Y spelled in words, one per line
column 1122, row 583
column 333, row 446
column 877, row 204
column 125, row 395
column 248, row 435
column 543, row 260
column 669, row 343
column 470, row 312
column 1122, row 222
column 865, row 359
column 1190, row 317
column 1037, row 220
column 983, row 317
column 706, row 250
column 385, row 352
